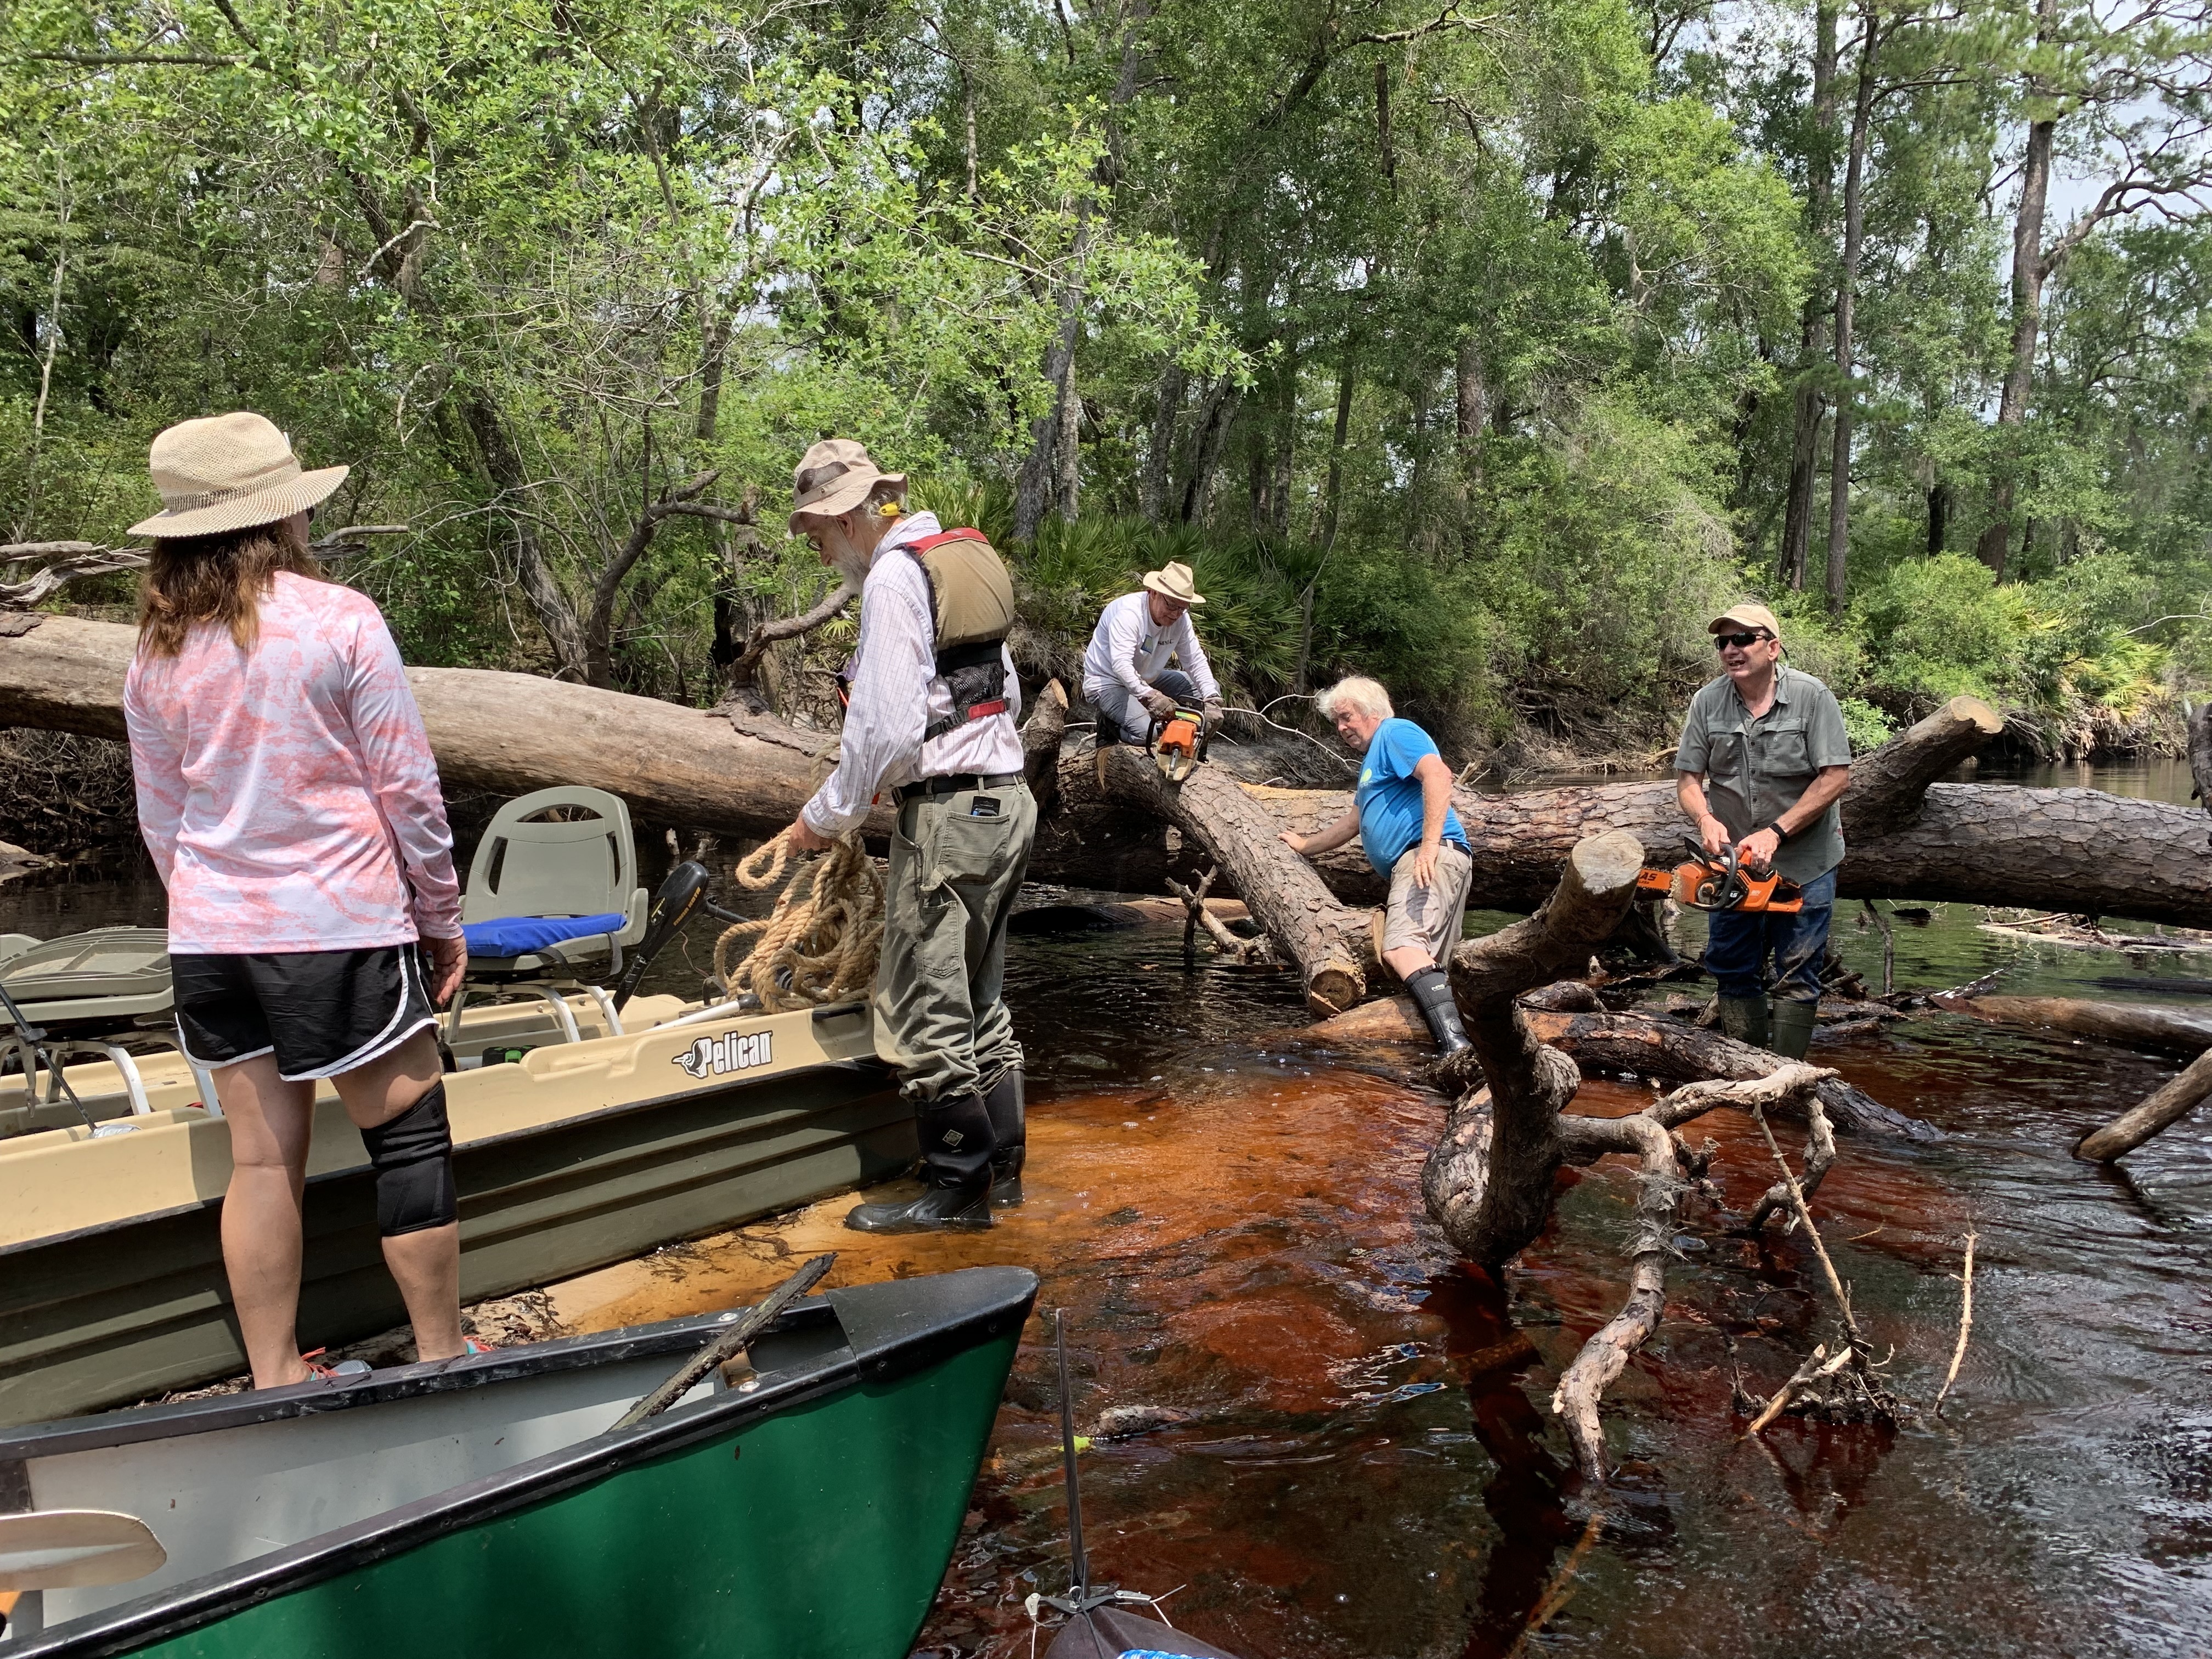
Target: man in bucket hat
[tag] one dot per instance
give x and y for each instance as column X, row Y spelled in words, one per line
column 929, row 723
column 1763, row 758
column 1125, row 676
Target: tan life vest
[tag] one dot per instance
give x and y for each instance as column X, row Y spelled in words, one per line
column 971, row 606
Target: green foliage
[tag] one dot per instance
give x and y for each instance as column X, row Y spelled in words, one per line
column 1495, row 397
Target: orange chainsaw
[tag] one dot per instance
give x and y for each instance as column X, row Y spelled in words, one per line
column 1708, row 882
column 1177, row 744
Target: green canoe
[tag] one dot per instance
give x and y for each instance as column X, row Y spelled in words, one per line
column 485, row 1507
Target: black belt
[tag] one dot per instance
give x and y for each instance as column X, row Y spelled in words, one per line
column 953, row 783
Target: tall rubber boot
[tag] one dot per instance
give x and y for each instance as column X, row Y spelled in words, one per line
column 955, row 1165
column 1793, row 1028
column 1432, row 996
column 1744, row 1018
column 1009, row 1136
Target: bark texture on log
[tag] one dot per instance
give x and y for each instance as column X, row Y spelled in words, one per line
column 1639, row 1045
column 1488, row 1181
column 1888, row 784
column 515, row 732
column 1328, row 942
column 2136, row 1023
column 2162, row 1111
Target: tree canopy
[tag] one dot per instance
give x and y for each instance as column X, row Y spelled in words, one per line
column 1487, row 350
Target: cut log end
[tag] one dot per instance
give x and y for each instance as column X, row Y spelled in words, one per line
column 1604, row 866
column 1974, row 712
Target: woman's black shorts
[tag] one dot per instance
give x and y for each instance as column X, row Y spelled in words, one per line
column 320, row 1012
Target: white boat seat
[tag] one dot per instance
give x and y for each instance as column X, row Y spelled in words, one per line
column 81, row 994
column 558, row 867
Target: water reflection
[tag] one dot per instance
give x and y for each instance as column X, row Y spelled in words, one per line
column 1353, row 1454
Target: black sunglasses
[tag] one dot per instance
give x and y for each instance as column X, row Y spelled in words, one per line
column 1742, row 642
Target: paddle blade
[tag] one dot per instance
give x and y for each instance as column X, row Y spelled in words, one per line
column 75, row 1549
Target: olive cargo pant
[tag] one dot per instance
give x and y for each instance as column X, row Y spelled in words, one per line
column 957, row 867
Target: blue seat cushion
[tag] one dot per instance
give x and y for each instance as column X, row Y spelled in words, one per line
column 518, row 936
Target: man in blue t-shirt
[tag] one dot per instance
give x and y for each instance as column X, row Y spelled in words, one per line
column 1402, row 813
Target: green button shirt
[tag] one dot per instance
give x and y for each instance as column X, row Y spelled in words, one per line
column 1757, row 770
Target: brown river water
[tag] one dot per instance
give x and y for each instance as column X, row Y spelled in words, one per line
column 1356, row 1455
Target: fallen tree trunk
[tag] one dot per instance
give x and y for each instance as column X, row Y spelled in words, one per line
column 2138, row 1024
column 1640, row 1045
column 2162, row 1111
column 743, row 774
column 1328, row 942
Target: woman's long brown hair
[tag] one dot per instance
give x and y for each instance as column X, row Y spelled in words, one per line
column 216, row 578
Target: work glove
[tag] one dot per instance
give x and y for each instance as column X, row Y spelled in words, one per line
column 1159, row 705
column 1211, row 723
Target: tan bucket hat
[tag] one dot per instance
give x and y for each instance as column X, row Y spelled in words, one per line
column 1173, row 582
column 230, row 472
column 835, row 477
column 1745, row 616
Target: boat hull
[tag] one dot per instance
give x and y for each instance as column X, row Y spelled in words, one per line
column 815, row 1518
column 109, row 1313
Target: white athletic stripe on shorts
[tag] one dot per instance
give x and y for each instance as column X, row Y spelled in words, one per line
column 186, row 1049
column 385, row 1040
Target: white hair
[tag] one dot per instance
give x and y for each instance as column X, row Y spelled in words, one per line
column 1359, row 694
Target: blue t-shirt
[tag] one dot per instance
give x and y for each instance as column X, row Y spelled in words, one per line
column 1389, row 795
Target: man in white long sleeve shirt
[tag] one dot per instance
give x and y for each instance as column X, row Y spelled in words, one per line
column 930, row 722
column 1125, row 676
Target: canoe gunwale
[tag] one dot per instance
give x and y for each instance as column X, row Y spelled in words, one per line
column 129, row 1626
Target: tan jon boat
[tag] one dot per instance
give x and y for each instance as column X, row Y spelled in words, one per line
column 577, row 1154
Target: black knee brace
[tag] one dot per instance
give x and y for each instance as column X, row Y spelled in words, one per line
column 413, row 1158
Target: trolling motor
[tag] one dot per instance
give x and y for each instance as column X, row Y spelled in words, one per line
column 1719, row 882
column 682, row 895
column 1177, row 744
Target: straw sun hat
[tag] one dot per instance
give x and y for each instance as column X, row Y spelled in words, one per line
column 835, row 477
column 230, row 472
column 1174, row 582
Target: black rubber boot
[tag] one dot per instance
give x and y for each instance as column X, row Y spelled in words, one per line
column 1793, row 1028
column 1432, row 996
column 1009, row 1136
column 939, row 1209
column 956, row 1164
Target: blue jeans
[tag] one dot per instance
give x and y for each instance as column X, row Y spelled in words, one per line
column 1122, row 719
column 1738, row 942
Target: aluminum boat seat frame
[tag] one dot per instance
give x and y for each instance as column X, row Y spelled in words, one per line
column 582, row 866
column 79, row 994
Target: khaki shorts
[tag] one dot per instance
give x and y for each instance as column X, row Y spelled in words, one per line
column 1428, row 918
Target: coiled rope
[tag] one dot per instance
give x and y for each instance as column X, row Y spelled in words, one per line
column 821, row 942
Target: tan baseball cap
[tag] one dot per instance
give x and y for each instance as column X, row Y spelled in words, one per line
column 835, row 477
column 1745, row 615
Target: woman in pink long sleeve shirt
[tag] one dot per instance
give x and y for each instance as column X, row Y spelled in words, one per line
column 287, row 793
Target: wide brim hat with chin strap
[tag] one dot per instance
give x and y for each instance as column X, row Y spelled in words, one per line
column 230, row 472
column 835, row 477
column 1174, row 582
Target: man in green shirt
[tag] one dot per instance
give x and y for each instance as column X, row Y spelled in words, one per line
column 1763, row 758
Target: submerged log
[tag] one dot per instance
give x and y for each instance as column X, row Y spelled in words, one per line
column 2138, row 1025
column 1640, row 1045
column 2162, row 1111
